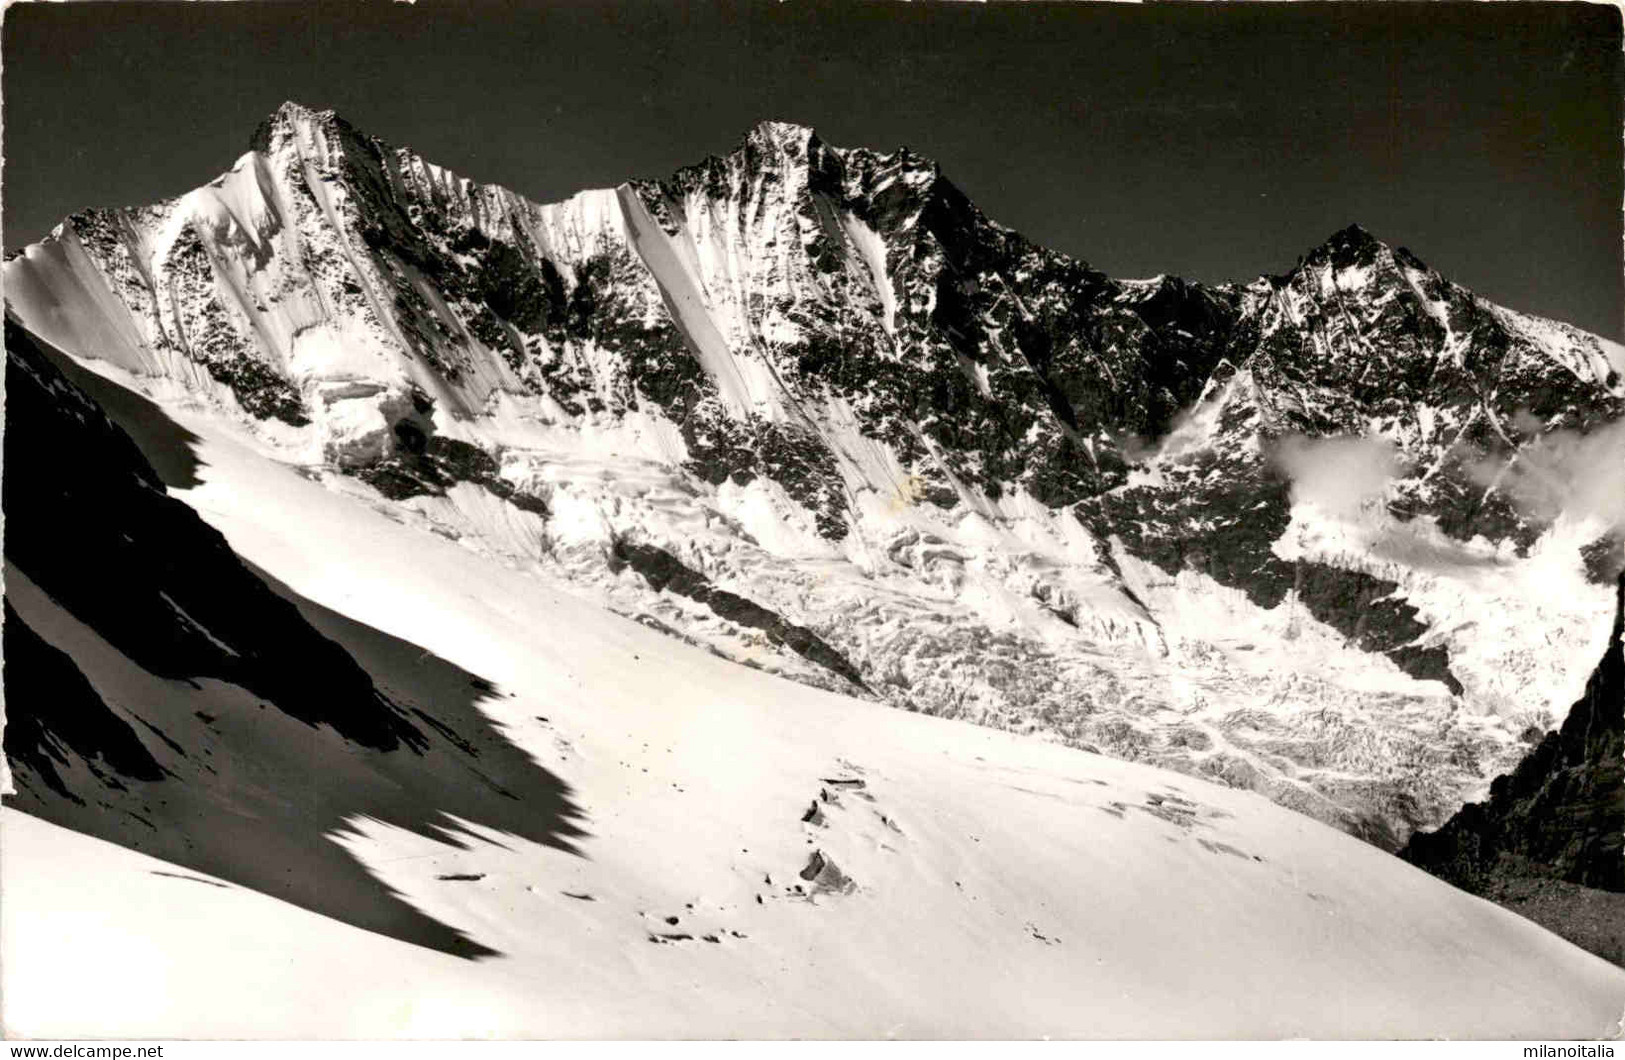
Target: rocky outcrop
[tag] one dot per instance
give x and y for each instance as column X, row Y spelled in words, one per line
column 1561, row 813
column 429, row 465
column 665, row 572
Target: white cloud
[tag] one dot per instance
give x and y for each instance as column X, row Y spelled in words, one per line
column 1340, row 476
column 1567, row 472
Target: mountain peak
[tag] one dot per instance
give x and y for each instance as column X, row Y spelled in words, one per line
column 291, row 110
column 781, row 130
column 1355, row 237
column 1350, row 247
column 781, row 135
column 288, row 116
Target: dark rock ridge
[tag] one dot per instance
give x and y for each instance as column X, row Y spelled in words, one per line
column 663, row 571
column 1561, row 813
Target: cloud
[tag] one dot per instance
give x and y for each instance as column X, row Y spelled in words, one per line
column 1340, row 476
column 1566, row 472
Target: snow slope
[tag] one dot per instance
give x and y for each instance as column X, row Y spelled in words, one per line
column 988, row 884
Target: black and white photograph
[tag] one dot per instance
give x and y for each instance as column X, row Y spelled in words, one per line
column 853, row 521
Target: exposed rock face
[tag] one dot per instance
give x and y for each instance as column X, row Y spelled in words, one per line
column 1000, row 484
column 1561, row 812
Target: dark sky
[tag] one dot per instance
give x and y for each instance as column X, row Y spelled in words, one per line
column 1212, row 141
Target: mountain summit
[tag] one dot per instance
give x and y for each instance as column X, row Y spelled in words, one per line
column 810, row 407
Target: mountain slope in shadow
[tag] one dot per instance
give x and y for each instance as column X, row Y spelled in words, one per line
column 167, row 447
column 161, row 695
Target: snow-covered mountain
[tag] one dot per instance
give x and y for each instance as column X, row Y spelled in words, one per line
column 1336, row 536
column 316, row 773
